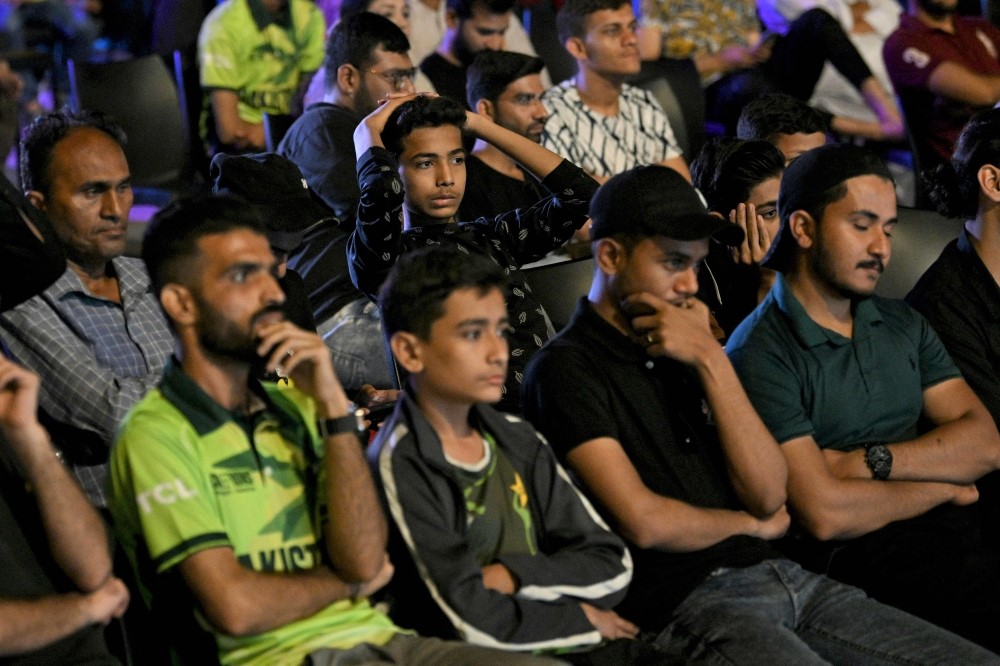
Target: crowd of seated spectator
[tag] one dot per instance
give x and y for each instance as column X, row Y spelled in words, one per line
column 323, row 418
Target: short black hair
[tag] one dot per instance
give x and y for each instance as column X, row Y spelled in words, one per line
column 571, row 21
column 771, row 115
column 171, row 240
column 463, row 8
column 421, row 111
column 727, row 169
column 492, row 71
column 354, row 39
column 953, row 187
column 41, row 137
column 412, row 297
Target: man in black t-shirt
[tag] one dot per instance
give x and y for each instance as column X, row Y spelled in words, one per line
column 366, row 59
column 474, row 26
column 506, row 88
column 661, row 433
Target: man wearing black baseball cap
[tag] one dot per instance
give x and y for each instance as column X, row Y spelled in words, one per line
column 293, row 215
column 275, row 185
column 660, row 432
column 883, row 438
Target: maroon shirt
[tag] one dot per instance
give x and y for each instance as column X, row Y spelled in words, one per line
column 915, row 50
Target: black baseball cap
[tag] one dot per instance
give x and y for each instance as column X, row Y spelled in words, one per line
column 656, row 201
column 276, row 185
column 807, row 179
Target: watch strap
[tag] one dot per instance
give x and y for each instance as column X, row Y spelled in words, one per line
column 352, row 422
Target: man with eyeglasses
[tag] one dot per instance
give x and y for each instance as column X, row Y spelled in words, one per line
column 506, row 88
column 366, row 59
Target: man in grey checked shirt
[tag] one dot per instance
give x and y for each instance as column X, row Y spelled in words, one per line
column 97, row 336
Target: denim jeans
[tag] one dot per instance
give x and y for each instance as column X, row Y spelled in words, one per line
column 354, row 337
column 403, row 649
column 778, row 613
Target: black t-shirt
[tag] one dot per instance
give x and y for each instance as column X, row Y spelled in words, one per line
column 448, row 79
column 489, row 192
column 27, row 571
column 590, row 382
column 321, row 144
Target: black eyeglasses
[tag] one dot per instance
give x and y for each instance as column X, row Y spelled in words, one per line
column 397, row 78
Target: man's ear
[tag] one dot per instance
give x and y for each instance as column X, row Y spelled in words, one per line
column 348, row 79
column 485, row 107
column 609, row 255
column 989, row 182
column 803, row 228
column 36, row 199
column 451, row 19
column 576, row 48
column 408, row 350
column 179, row 305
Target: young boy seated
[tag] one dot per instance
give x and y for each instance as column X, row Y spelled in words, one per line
column 411, row 170
column 491, row 541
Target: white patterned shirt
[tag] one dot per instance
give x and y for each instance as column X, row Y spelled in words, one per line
column 602, row 145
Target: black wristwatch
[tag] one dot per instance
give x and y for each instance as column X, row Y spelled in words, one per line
column 354, row 422
column 878, row 457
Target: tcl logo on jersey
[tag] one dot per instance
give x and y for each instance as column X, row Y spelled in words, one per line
column 165, row 493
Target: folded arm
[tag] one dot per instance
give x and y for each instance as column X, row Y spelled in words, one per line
column 650, row 520
column 962, row 447
column 955, row 81
column 241, row 602
column 232, row 129
column 841, row 508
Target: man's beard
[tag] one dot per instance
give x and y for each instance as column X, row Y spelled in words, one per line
column 464, row 54
column 935, row 9
column 823, row 267
column 225, row 338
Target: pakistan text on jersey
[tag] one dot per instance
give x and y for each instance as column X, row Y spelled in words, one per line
column 290, row 558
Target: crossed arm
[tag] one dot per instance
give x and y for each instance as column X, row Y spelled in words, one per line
column 955, row 81
column 835, row 496
column 76, row 535
column 240, row 601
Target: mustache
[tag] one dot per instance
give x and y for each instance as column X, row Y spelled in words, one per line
column 877, row 264
column 266, row 310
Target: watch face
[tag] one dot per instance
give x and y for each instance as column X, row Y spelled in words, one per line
column 879, row 460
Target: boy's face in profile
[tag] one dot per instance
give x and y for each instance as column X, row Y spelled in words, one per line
column 432, row 166
column 464, row 358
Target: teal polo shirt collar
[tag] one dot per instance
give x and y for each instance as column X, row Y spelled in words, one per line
column 264, row 18
column 204, row 413
column 811, row 334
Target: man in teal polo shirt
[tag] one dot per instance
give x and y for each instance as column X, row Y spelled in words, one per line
column 883, row 438
column 253, row 56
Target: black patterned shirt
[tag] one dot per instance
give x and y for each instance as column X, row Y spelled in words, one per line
column 511, row 240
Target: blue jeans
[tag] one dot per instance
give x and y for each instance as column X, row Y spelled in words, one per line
column 354, row 337
column 776, row 612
